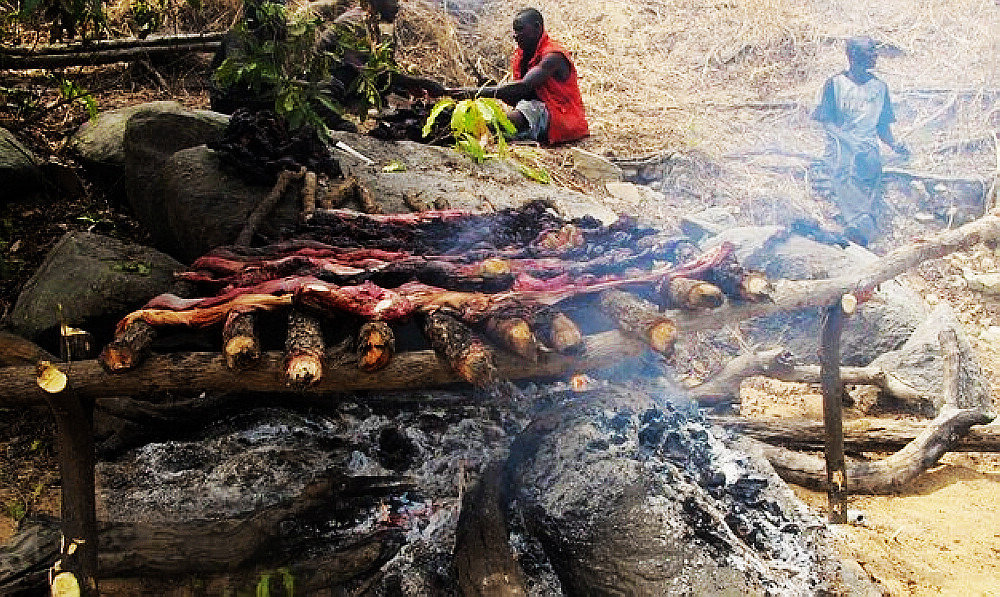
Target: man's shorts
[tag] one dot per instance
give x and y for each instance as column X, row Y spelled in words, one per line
column 537, row 115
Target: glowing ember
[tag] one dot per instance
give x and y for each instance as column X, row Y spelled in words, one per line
column 581, row 382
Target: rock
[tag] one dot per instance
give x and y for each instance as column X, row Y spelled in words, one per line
column 919, row 364
column 593, row 166
column 627, row 495
column 152, row 135
column 624, row 191
column 438, row 173
column 19, row 167
column 881, row 324
column 95, row 279
column 986, row 282
column 203, row 205
column 707, row 223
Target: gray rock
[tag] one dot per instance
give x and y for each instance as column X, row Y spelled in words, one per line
column 919, row 363
column 204, row 206
column 95, row 280
column 881, row 324
column 152, row 135
column 19, row 167
column 707, row 223
column 593, row 166
column 438, row 173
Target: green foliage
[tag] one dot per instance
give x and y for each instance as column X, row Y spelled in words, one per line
column 16, row 509
column 287, row 582
column 71, row 92
column 133, row 267
column 147, row 16
column 478, row 125
column 529, row 164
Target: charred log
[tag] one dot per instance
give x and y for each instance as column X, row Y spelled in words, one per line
column 240, row 344
column 130, row 346
column 461, row 349
column 267, row 204
column 304, row 348
column 557, row 332
column 641, row 319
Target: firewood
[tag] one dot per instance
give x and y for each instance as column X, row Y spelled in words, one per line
column 15, row 350
column 557, row 332
column 414, row 202
column 240, row 344
column 685, row 293
column 266, row 205
column 75, row 344
column 515, row 334
column 461, row 349
column 309, row 195
column 376, row 346
column 641, row 319
column 366, row 198
column 129, row 347
column 340, row 193
column 881, row 476
column 304, row 348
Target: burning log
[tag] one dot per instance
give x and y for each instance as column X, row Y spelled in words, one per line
column 130, row 346
column 558, row 332
column 304, row 348
column 376, row 346
column 461, row 349
column 641, row 319
column 685, row 293
column 240, row 344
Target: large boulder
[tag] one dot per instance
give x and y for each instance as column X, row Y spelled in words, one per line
column 919, row 363
column 19, row 167
column 89, row 281
column 435, row 175
column 881, row 324
column 152, row 135
column 205, row 205
column 100, row 143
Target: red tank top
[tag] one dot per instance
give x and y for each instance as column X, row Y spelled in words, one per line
column 567, row 120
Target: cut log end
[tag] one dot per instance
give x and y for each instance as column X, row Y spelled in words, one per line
column 376, row 346
column 242, row 352
column 515, row 335
column 686, row 293
column 566, row 337
column 303, row 370
column 129, row 348
column 662, row 337
column 754, row 286
column 463, row 351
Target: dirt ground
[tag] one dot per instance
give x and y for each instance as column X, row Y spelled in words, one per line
column 733, row 81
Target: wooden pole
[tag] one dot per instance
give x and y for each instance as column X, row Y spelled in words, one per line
column 75, row 438
column 833, row 420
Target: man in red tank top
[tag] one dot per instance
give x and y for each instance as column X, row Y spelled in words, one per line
column 545, row 94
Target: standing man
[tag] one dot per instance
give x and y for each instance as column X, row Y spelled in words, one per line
column 856, row 112
column 545, row 94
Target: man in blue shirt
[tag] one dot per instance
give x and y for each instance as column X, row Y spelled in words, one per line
column 855, row 111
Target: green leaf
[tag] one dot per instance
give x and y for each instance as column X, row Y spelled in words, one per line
column 394, row 166
column 435, row 112
column 500, row 116
column 537, row 174
column 458, row 117
column 471, row 147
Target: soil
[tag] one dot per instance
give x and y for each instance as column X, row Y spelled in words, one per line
column 935, row 538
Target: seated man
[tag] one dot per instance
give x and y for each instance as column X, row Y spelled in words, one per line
column 856, row 112
column 545, row 95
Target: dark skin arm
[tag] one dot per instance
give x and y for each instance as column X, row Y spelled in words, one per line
column 552, row 65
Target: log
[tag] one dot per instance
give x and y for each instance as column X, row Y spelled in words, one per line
column 266, row 205
column 685, row 293
column 860, row 435
column 557, row 332
column 514, row 334
column 309, row 194
column 240, row 344
column 461, row 349
column 129, row 348
column 366, row 199
column 108, row 52
column 790, row 295
column 485, row 565
column 885, row 476
column 724, row 386
column 640, row 318
column 376, row 346
column 15, row 350
column 833, row 411
column 304, row 348
column 180, row 372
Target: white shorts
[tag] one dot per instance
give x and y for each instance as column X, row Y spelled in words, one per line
column 537, row 115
